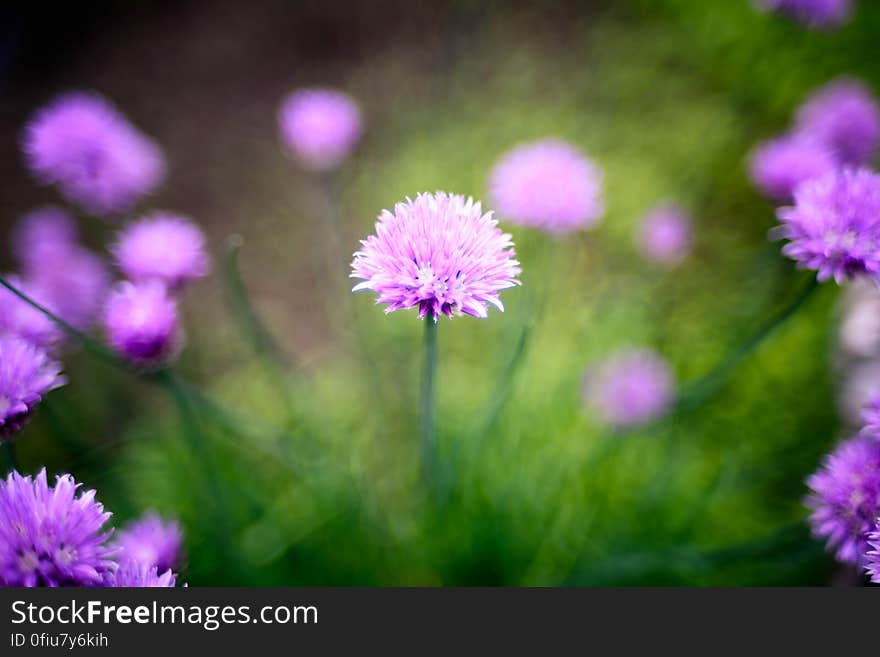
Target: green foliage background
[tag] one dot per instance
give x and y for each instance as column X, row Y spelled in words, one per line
column 319, row 482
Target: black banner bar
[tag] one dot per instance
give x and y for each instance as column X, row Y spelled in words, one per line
column 324, row 620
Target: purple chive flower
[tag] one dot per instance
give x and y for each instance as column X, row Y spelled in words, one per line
column 320, row 127
column 50, row 536
column 71, row 280
column 871, row 417
column 549, row 185
column 632, row 387
column 17, row 317
column 872, row 556
column 98, row 160
column 440, row 253
column 779, row 165
column 834, row 225
column 153, row 542
column 812, row 13
column 664, row 235
column 133, row 574
column 845, row 497
column 48, row 228
column 162, row 246
column 141, row 322
column 26, row 375
column 844, row 116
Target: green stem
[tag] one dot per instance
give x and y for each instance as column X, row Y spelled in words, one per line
column 427, row 429
column 10, row 454
column 88, row 342
column 704, row 388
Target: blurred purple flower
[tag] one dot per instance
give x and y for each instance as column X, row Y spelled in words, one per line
column 440, row 253
column 320, row 127
column 17, row 317
column 133, row 574
column 151, row 541
column 98, row 160
column 664, row 235
column 549, row 185
column 72, row 281
column 779, row 165
column 872, row 557
column 871, row 417
column 834, row 225
column 50, row 536
column 812, row 13
column 631, row 387
column 845, row 117
column 845, row 497
column 162, row 246
column 141, row 323
column 45, row 229
column 27, row 373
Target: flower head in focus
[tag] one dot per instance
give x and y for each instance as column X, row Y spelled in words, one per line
column 834, row 225
column 812, row 13
column 665, row 235
column 779, row 165
column 845, row 497
column 844, row 116
column 152, row 541
column 439, row 253
column 90, row 151
column 548, row 185
column 133, row 574
column 141, row 323
column 50, row 535
column 165, row 247
column 632, row 387
column 320, row 127
column 26, row 375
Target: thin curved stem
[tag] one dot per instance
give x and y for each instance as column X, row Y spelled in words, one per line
column 704, row 388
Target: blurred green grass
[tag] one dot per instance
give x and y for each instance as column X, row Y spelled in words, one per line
column 667, row 96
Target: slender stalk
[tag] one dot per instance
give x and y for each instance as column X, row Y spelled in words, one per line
column 9, row 450
column 427, row 428
column 704, row 388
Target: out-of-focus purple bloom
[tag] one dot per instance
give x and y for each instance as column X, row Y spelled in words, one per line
column 440, row 253
column 845, row 497
column 71, row 280
column 664, row 235
column 48, row 228
column 320, row 127
column 845, row 117
column 141, row 322
column 133, row 574
column 151, row 541
column 834, row 225
column 872, row 557
column 548, row 184
column 162, row 246
column 632, row 387
column 779, row 165
column 812, row 13
column 871, row 417
column 50, row 536
column 27, row 373
column 97, row 159
column 18, row 317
